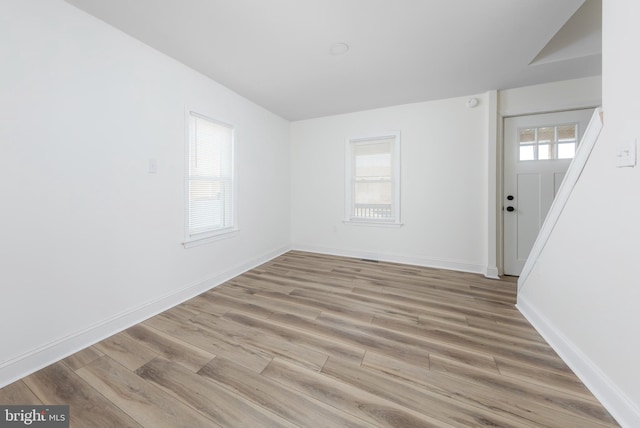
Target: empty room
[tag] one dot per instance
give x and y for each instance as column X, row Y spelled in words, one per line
column 319, row 213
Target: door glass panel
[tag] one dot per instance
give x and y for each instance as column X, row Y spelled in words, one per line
column 546, row 135
column 526, row 153
column 544, row 151
column 527, row 135
column 567, row 133
column 548, row 142
column 566, row 150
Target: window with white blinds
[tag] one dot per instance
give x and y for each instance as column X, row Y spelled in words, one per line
column 373, row 179
column 210, row 178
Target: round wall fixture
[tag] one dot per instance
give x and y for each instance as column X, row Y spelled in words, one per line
column 472, row 102
column 338, row 49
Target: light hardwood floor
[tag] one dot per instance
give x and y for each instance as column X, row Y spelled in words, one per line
column 313, row 340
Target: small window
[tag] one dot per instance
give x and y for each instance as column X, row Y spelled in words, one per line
column 210, row 178
column 548, row 142
column 373, row 179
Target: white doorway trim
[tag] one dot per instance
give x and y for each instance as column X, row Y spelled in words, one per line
column 492, row 269
column 530, row 185
column 495, row 123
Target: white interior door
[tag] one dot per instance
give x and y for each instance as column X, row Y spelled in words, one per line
column 537, row 152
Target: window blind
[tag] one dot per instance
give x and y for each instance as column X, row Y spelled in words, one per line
column 210, row 176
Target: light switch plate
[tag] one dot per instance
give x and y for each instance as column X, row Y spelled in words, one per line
column 626, row 155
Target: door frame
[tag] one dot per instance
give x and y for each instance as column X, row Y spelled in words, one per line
column 498, row 207
column 527, row 224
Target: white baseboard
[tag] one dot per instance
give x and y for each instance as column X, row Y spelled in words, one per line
column 25, row 364
column 492, row 272
column 615, row 401
column 396, row 258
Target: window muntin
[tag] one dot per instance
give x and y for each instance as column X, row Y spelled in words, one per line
column 210, row 178
column 548, row 142
column 373, row 179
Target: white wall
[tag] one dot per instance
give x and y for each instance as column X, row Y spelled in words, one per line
column 549, row 97
column 444, row 192
column 583, row 291
column 90, row 242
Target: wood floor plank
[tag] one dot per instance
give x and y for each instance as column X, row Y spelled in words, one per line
column 265, row 281
column 216, row 298
column 323, row 306
column 323, row 280
column 446, row 287
column 373, row 409
column 534, row 354
column 148, row 404
column 272, row 305
column 355, row 338
column 570, row 404
column 430, row 279
column 127, row 351
column 313, row 341
column 436, row 303
column 546, row 377
column 18, row 393
column 447, row 306
column 321, row 340
column 201, row 304
column 444, row 408
column 181, row 313
column 83, row 357
column 350, row 303
column 297, row 408
column 468, row 392
column 221, row 405
column 170, row 347
column 213, row 343
column 273, row 345
column 439, row 318
column 399, row 340
column 59, row 385
column 304, row 271
column 509, row 331
column 396, row 367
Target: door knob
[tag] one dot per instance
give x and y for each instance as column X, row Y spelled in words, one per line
column 510, row 209
column 510, row 198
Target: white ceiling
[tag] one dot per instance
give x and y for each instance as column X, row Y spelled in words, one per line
column 276, row 52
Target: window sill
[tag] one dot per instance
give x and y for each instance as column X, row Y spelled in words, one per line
column 203, row 240
column 371, row 223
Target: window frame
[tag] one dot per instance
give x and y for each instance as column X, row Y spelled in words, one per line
column 554, row 145
column 212, row 235
column 350, row 143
